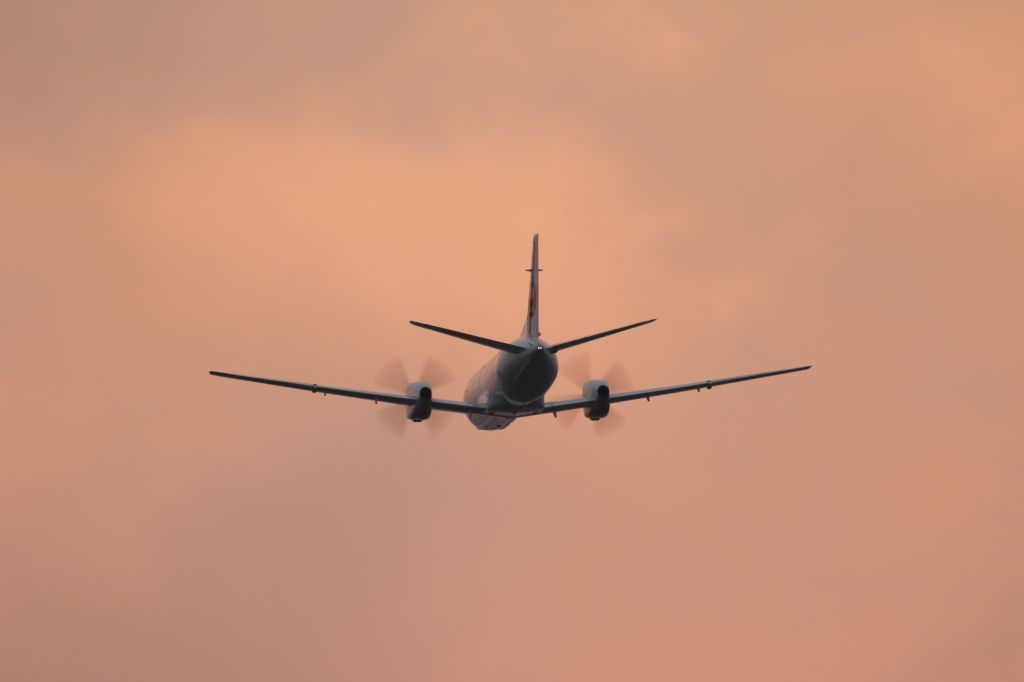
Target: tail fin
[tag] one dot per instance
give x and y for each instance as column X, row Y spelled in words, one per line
column 531, row 328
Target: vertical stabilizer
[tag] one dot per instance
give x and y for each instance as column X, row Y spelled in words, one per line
column 531, row 328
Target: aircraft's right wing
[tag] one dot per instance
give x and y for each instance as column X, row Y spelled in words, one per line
column 648, row 393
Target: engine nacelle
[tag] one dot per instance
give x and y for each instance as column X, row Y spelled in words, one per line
column 597, row 390
column 419, row 410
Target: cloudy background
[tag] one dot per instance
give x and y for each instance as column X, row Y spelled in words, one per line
column 276, row 189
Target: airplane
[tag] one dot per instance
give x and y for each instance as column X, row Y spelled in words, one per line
column 513, row 383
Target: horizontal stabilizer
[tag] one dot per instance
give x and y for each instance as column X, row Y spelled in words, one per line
column 490, row 343
column 593, row 337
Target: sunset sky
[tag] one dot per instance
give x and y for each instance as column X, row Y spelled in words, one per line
column 276, row 188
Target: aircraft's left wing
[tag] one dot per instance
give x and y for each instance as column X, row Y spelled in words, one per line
column 648, row 393
column 443, row 405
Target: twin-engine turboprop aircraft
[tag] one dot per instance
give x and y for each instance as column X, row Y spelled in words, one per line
column 513, row 383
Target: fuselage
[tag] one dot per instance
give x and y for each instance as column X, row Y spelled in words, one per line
column 512, row 382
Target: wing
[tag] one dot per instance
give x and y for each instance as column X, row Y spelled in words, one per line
column 443, row 405
column 648, row 393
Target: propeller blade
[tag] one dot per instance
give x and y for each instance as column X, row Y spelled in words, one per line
column 577, row 368
column 439, row 421
column 609, row 425
column 568, row 418
column 618, row 378
column 393, row 419
column 435, row 373
column 393, row 375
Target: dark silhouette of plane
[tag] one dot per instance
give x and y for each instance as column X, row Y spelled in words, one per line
column 513, row 383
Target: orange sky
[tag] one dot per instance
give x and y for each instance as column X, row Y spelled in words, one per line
column 278, row 189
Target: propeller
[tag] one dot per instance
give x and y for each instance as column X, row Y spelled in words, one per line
column 610, row 424
column 577, row 368
column 394, row 376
